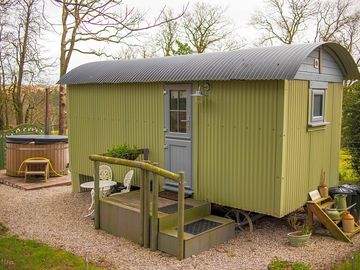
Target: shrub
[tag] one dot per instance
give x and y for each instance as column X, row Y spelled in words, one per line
column 124, row 151
column 277, row 264
column 351, row 124
column 346, row 171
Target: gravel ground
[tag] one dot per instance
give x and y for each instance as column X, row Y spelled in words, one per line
column 55, row 216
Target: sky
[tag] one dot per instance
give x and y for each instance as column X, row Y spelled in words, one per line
column 239, row 12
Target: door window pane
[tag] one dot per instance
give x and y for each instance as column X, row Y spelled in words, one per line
column 182, row 100
column 173, row 100
column 174, row 121
column 183, row 122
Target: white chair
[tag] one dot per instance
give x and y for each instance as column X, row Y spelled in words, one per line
column 105, row 173
column 127, row 183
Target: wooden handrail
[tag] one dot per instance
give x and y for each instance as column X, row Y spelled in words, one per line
column 136, row 164
column 145, row 167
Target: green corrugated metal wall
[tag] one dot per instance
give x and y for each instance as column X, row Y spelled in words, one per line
column 309, row 150
column 237, row 127
column 103, row 115
column 252, row 149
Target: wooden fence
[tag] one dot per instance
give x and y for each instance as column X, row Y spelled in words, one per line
column 23, row 129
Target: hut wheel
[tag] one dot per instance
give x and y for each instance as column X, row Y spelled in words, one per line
column 241, row 219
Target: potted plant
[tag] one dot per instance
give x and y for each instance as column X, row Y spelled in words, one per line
column 323, row 188
column 301, row 234
column 123, row 151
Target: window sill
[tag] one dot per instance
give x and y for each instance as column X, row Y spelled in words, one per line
column 317, row 126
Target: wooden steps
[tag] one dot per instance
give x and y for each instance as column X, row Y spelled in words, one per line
column 327, row 222
column 32, row 164
column 120, row 216
column 216, row 230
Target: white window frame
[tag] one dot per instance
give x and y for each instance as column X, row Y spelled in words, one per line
column 317, row 119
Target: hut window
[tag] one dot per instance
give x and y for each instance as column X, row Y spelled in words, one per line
column 317, row 105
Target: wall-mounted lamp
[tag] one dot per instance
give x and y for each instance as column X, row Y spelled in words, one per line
column 198, row 93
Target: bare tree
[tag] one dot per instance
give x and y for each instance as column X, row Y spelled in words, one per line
column 206, row 25
column 283, row 20
column 4, row 122
column 339, row 21
column 21, row 58
column 168, row 34
column 104, row 21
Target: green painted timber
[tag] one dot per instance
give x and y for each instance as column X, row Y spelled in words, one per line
column 309, row 149
column 101, row 116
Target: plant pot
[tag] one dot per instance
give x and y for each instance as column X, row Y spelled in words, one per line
column 324, row 191
column 297, row 238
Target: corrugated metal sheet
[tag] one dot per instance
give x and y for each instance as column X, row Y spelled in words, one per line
column 235, row 145
column 100, row 119
column 270, row 63
column 309, row 150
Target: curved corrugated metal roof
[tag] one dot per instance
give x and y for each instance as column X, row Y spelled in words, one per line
column 269, row 63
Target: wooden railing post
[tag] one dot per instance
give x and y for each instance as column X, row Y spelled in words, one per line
column 181, row 201
column 146, row 210
column 154, row 212
column 97, row 194
column 142, row 178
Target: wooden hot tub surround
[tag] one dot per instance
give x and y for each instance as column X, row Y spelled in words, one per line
column 22, row 147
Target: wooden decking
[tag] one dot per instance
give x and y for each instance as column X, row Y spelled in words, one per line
column 19, row 182
column 132, row 200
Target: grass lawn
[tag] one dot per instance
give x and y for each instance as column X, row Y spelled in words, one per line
column 350, row 264
column 29, row 255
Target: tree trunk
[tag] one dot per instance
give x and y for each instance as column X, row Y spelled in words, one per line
column 18, row 104
column 62, row 110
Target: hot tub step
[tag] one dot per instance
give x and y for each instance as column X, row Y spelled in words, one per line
column 35, row 173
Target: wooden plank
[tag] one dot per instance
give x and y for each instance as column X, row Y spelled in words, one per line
column 327, row 205
column 136, row 164
column 328, row 222
column 36, row 161
column 154, row 215
column 180, row 228
column 97, row 194
column 320, row 200
column 146, row 186
column 142, row 179
column 357, row 229
column 35, row 172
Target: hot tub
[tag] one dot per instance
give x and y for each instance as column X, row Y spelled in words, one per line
column 22, row 147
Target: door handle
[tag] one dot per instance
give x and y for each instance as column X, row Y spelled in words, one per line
column 185, row 120
column 166, row 146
